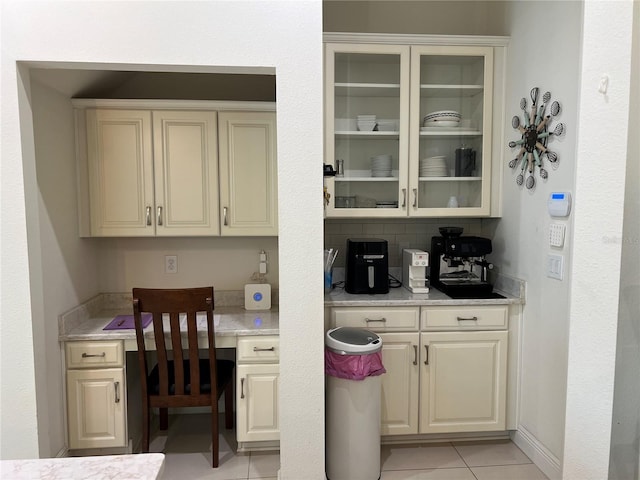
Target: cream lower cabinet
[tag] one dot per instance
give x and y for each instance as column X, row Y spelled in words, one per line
column 96, row 395
column 257, row 375
column 463, row 381
column 446, row 373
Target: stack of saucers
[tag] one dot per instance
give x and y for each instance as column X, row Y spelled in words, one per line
column 381, row 166
column 366, row 123
column 433, row 167
column 442, row 118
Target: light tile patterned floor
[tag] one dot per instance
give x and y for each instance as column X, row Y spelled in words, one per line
column 188, row 457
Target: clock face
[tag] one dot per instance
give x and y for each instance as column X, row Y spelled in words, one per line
column 535, row 133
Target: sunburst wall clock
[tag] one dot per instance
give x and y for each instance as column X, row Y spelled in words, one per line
column 535, row 132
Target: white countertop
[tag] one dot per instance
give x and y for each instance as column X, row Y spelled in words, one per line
column 144, row 466
column 230, row 321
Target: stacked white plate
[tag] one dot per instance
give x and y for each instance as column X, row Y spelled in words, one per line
column 442, row 118
column 366, row 123
column 433, row 167
column 381, row 166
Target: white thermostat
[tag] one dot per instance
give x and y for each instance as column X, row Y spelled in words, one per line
column 257, row 296
column 559, row 204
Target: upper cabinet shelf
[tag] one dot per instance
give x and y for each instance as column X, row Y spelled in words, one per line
column 409, row 161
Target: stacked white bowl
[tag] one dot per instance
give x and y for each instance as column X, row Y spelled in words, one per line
column 366, row 123
column 442, row 118
column 381, row 166
column 433, row 167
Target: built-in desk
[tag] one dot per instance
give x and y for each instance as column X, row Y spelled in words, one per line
column 102, row 376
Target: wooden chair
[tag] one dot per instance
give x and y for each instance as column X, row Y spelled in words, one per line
column 181, row 378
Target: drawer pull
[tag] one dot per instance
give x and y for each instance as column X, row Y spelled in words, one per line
column 117, row 388
column 159, row 215
column 415, row 354
column 242, row 388
column 270, row 349
column 426, row 359
column 472, row 319
column 148, row 216
column 369, row 320
column 88, row 355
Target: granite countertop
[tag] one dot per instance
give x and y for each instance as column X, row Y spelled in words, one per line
column 401, row 297
column 87, row 321
column 146, row 466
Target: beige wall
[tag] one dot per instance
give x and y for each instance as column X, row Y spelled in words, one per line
column 432, row 17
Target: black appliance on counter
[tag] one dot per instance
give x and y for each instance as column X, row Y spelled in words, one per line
column 458, row 264
column 367, row 266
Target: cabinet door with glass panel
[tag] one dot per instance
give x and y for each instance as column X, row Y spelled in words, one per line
column 367, row 115
column 451, row 115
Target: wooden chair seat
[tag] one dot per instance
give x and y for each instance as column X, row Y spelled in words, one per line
column 224, row 372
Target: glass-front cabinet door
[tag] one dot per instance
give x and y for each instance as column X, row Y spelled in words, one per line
column 367, row 135
column 450, row 122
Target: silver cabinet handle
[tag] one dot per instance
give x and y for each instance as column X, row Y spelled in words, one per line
column 159, row 216
column 270, row 349
column 472, row 319
column 369, row 320
column 415, row 197
column 117, row 387
column 404, row 197
column 426, row 359
column 89, row 355
column 242, row 388
column 415, row 354
column 148, row 215
column 224, row 216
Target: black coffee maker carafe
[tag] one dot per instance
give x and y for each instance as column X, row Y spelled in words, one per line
column 465, row 161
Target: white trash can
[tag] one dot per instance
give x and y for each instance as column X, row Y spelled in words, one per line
column 353, row 365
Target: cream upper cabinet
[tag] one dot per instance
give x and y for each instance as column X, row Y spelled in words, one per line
column 176, row 168
column 248, row 173
column 414, row 129
column 152, row 173
column 186, row 173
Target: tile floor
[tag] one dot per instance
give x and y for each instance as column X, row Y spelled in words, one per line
column 188, row 457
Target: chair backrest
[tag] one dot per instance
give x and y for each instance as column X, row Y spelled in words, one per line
column 175, row 305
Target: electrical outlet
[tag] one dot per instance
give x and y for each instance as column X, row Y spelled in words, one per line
column 170, row 264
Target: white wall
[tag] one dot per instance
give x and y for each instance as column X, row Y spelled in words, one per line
column 598, row 216
column 520, row 239
column 182, row 37
column 625, row 429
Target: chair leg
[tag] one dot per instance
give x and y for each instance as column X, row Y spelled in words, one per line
column 164, row 419
column 228, row 406
column 145, row 427
column 215, row 447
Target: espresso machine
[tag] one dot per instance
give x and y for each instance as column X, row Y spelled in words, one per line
column 458, row 264
column 367, row 266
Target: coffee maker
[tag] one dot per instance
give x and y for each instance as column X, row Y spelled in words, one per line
column 458, row 266
column 367, row 267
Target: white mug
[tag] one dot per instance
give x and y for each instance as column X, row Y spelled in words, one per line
column 453, row 202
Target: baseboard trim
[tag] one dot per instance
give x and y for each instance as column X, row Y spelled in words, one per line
column 538, row 453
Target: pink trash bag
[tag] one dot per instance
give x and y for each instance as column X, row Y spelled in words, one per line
column 353, row 367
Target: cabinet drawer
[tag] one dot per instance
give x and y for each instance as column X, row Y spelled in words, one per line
column 465, row 318
column 258, row 350
column 384, row 319
column 95, row 354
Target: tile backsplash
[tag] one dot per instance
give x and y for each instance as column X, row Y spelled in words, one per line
column 399, row 233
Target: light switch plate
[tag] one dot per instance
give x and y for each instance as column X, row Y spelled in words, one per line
column 555, row 266
column 556, row 234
